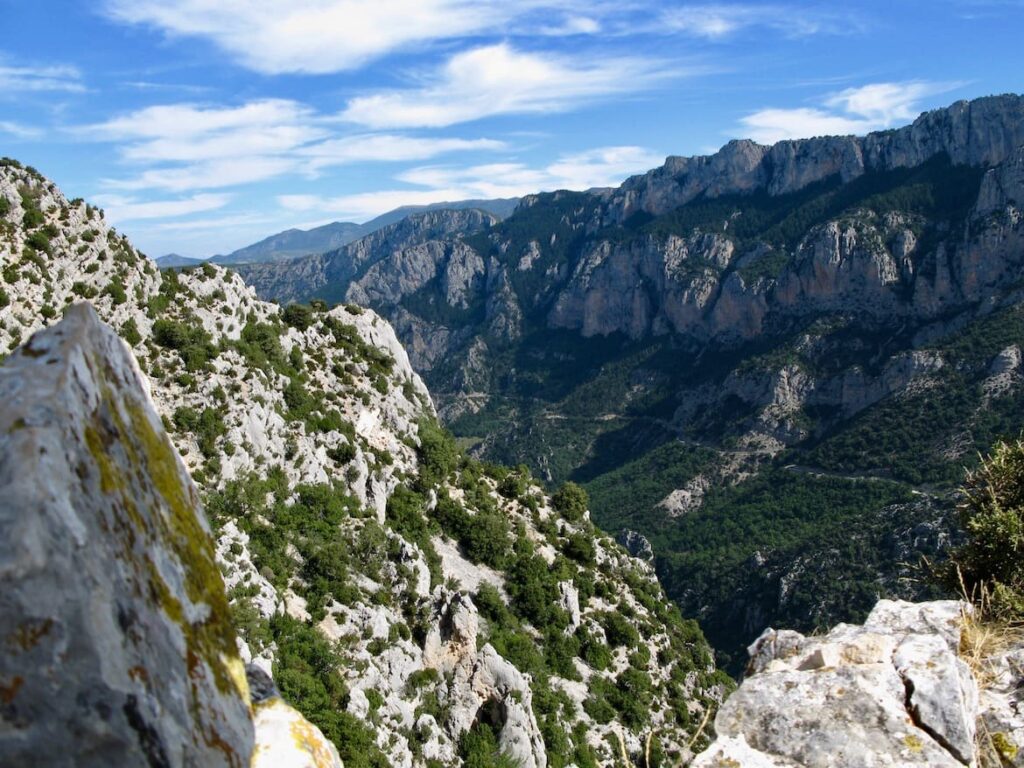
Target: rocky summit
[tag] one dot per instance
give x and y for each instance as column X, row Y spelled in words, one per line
column 772, row 362
column 398, row 602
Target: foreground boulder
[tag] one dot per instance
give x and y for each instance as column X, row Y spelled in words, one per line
column 894, row 691
column 118, row 648
column 118, row 644
column 284, row 738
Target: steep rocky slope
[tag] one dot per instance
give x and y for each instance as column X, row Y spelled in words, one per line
column 772, row 362
column 418, row 606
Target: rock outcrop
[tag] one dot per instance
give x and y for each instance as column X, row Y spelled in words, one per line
column 119, row 644
column 893, row 691
column 983, row 132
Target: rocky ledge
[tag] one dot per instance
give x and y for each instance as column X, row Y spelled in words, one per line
column 896, row 691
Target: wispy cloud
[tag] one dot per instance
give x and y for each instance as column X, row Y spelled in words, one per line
column 121, row 208
column 498, row 79
column 389, row 148
column 183, row 147
column 715, row 21
column 48, row 78
column 321, row 36
column 602, row 167
column 851, row 111
column 19, row 130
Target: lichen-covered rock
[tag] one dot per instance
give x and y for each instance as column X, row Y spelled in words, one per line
column 284, row 738
column 891, row 692
column 119, row 647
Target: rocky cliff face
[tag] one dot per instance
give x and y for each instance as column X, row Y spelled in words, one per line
column 413, row 603
column 121, row 647
column 894, row 691
column 982, row 133
column 410, row 239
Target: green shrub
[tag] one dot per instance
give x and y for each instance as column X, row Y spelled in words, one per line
column 38, row 241
column 485, row 538
column 306, row 672
column 298, row 316
column 618, row 630
column 991, row 563
column 534, row 588
column 580, row 548
column 130, row 332
column 438, row 453
column 570, row 501
column 191, row 341
column 478, row 748
column 115, row 290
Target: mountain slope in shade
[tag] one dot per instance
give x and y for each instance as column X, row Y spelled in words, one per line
column 501, row 208
column 175, row 261
column 293, row 243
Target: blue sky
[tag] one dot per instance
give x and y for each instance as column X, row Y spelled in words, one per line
column 203, row 125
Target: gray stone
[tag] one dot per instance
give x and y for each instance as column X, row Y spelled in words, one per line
column 120, row 648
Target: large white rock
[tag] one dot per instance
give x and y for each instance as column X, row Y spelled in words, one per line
column 285, row 739
column 892, row 692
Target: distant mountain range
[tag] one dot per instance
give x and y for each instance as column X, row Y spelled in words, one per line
column 294, row 243
column 175, row 260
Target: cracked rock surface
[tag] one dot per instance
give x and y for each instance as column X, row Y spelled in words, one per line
column 891, row 692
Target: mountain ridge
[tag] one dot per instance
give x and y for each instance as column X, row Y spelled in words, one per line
column 294, row 243
column 715, row 321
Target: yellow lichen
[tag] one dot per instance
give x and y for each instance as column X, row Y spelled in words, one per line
column 1004, row 745
column 307, row 740
column 913, row 742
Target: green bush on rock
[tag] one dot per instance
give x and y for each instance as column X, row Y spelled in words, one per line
column 990, row 565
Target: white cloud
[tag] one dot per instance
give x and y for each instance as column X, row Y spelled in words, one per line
column 322, row 36
column 717, row 20
column 606, row 166
column 498, row 79
column 852, row 111
column 183, row 147
column 19, row 130
column 49, row 78
column 389, row 147
column 119, row 208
